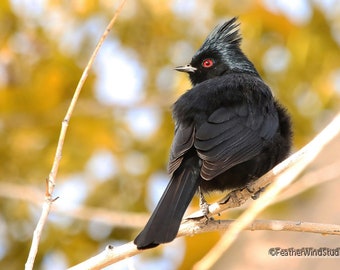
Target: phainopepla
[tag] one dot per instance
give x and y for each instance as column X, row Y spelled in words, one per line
column 229, row 130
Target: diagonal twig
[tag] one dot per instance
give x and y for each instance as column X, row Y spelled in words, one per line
column 50, row 182
column 298, row 162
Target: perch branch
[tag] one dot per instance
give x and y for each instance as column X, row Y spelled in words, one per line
column 112, row 254
column 285, row 173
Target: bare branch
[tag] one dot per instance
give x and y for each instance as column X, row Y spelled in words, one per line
column 285, row 173
column 110, row 217
column 53, row 174
column 194, row 227
column 112, row 254
column 316, row 177
column 34, row 195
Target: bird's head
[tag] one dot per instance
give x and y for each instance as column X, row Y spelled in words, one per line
column 219, row 55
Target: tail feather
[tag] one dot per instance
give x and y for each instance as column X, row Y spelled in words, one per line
column 165, row 220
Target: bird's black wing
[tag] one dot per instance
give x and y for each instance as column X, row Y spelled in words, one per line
column 182, row 142
column 232, row 135
column 165, row 220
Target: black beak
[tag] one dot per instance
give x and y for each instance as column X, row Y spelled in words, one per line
column 187, row 68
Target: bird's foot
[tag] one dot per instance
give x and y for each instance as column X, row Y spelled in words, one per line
column 204, row 206
column 255, row 195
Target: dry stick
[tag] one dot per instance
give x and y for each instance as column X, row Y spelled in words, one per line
column 192, row 227
column 33, row 195
column 112, row 254
column 306, row 156
column 312, row 179
column 327, row 173
column 53, row 174
column 239, row 196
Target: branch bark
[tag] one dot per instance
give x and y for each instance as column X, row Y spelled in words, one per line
column 112, row 254
column 285, row 173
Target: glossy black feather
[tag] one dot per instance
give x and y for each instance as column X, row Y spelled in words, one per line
column 164, row 222
column 229, row 130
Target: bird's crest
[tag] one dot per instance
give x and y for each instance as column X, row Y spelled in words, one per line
column 224, row 35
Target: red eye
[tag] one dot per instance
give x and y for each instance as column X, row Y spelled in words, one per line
column 207, row 63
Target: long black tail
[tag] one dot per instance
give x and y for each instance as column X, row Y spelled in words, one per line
column 165, row 220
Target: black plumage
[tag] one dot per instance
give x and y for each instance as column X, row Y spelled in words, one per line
column 229, row 130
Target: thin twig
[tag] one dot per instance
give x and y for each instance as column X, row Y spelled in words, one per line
column 301, row 159
column 28, row 193
column 33, row 195
column 194, row 227
column 53, row 174
column 312, row 179
column 122, row 219
column 112, row 254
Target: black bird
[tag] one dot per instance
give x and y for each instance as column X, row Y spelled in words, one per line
column 229, row 130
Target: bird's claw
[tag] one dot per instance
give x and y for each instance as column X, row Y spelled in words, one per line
column 204, row 206
column 255, row 195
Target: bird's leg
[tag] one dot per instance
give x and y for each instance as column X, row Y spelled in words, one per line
column 204, row 206
column 255, row 195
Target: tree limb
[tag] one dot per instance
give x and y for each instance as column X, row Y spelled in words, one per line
column 190, row 227
column 284, row 174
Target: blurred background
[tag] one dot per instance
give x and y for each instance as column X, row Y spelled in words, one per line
column 113, row 168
